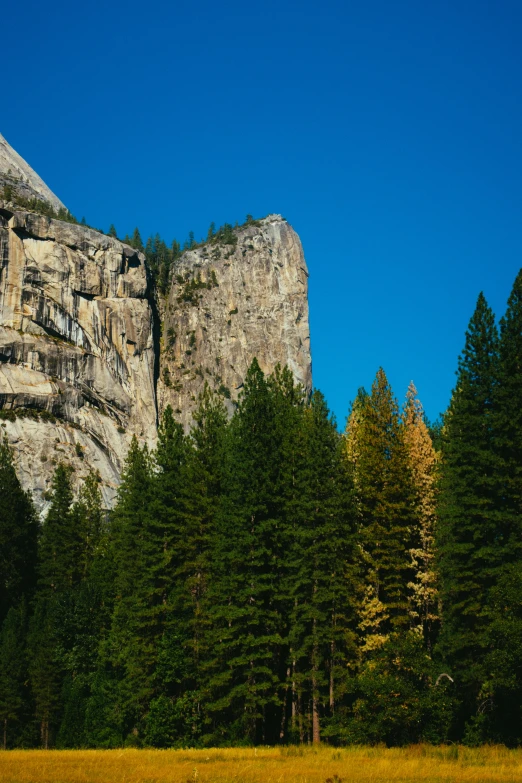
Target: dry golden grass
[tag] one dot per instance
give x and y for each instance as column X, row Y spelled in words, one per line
column 416, row 764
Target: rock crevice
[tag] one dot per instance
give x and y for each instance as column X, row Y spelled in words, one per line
column 90, row 357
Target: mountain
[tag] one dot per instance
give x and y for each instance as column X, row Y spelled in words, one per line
column 90, row 355
column 16, row 173
column 229, row 303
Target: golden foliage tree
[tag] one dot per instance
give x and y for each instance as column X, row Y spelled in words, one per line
column 422, row 459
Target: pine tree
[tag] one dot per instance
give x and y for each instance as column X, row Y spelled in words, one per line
column 507, row 424
column 503, row 688
column 45, row 670
column 136, row 240
column 131, row 649
column 13, row 674
column 165, row 537
column 18, row 534
column 244, row 680
column 322, row 586
column 384, row 508
column 502, row 722
column 202, row 489
column 59, row 552
column 469, row 550
column 422, row 460
column 87, row 518
column 167, row 529
column 112, row 231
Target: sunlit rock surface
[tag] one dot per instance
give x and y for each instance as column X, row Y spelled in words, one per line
column 76, row 343
column 228, row 304
column 89, row 357
column 17, row 173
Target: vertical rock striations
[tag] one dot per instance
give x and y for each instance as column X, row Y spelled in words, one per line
column 229, row 303
column 81, row 369
column 76, row 349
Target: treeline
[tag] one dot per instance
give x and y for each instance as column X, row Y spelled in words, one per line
column 11, row 194
column 270, row 580
column 160, row 256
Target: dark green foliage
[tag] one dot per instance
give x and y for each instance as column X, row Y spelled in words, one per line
column 13, row 674
column 226, row 235
column 397, row 698
column 507, row 424
column 256, row 581
column 192, row 285
column 201, row 491
column 71, row 733
column 135, row 622
column 18, row 534
column 501, row 697
column 320, row 574
column 247, row 562
column 469, row 548
column 384, row 502
column 45, row 669
column 34, row 204
column 12, row 414
column 103, row 724
column 136, row 240
column 59, row 552
column 173, row 723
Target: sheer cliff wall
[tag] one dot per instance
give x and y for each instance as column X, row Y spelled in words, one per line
column 76, row 349
column 229, row 303
column 82, row 367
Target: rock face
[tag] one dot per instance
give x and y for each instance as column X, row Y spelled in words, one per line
column 76, row 349
column 82, row 365
column 16, row 172
column 229, row 303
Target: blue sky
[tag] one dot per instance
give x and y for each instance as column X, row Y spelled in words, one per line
column 388, row 134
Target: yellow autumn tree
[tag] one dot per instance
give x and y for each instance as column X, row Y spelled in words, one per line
column 423, row 465
column 372, row 613
column 383, row 501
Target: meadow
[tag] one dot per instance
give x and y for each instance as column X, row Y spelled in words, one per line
column 415, row 764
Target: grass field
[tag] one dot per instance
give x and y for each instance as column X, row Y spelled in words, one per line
column 415, row 764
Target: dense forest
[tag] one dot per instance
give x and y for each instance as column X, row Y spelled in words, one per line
column 269, row 579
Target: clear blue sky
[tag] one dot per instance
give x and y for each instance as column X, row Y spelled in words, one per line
column 388, row 133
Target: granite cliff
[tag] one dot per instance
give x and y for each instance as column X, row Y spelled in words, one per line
column 18, row 175
column 90, row 355
column 229, row 303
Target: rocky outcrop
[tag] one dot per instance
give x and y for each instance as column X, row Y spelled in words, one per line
column 16, row 173
column 229, row 303
column 82, row 365
column 76, row 349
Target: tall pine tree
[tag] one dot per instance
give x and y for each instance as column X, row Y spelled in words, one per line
column 18, row 536
column 422, row 460
column 470, row 551
column 384, row 503
column 244, row 670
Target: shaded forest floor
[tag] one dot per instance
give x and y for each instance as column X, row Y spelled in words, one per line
column 264, row 765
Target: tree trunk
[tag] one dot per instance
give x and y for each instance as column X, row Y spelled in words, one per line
column 316, row 733
column 282, row 729
column 44, row 733
column 332, row 696
column 294, row 701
